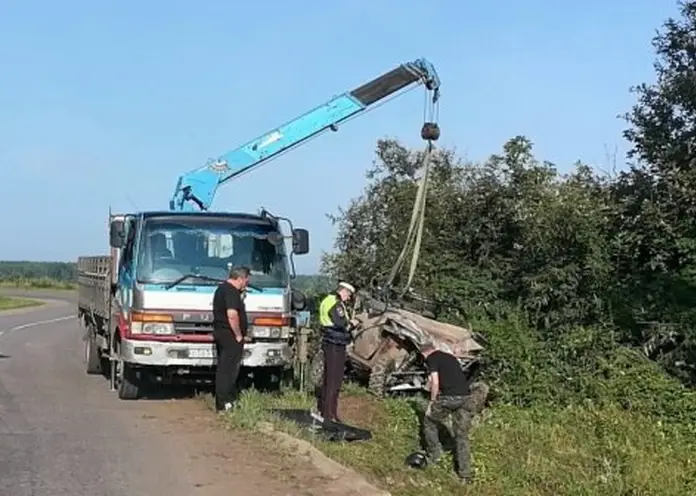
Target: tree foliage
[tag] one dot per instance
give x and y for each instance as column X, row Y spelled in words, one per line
column 509, row 232
column 655, row 212
column 568, row 272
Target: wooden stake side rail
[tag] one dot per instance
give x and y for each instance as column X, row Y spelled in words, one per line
column 93, row 280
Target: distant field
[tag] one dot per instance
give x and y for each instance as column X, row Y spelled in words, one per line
column 12, row 303
column 63, row 276
column 26, row 274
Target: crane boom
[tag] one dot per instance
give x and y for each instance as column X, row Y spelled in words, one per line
column 195, row 190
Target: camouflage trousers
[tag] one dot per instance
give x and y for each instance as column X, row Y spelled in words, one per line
column 462, row 412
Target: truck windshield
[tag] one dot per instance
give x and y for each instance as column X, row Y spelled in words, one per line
column 170, row 249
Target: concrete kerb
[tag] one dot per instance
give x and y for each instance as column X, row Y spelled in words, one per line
column 329, row 468
column 341, row 475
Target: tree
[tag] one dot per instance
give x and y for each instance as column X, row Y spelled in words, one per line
column 660, row 190
column 655, row 218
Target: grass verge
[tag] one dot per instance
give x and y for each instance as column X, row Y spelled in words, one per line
column 12, row 303
column 516, row 451
column 43, row 283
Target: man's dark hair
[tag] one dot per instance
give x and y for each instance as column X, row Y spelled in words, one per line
column 239, row 272
column 427, row 347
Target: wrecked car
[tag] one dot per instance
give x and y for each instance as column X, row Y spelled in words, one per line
column 386, row 345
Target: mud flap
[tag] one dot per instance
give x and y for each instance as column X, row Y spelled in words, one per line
column 330, row 431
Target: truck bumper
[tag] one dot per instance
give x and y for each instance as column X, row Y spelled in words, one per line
column 163, row 354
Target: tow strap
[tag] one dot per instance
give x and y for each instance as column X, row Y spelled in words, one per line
column 430, row 132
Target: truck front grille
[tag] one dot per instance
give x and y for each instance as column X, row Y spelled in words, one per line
column 188, row 323
column 200, row 323
column 189, row 328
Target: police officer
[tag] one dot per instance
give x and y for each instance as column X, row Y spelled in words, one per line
column 336, row 335
column 450, row 394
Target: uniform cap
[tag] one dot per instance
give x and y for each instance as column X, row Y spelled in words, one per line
column 346, row 286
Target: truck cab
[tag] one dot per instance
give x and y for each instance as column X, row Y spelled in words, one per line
column 166, row 268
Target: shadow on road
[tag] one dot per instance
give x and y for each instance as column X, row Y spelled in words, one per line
column 155, row 391
column 159, row 392
column 4, row 356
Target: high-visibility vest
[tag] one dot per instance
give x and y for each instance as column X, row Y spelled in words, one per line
column 325, row 309
column 332, row 334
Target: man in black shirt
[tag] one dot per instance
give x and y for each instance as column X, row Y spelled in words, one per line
column 229, row 329
column 450, row 394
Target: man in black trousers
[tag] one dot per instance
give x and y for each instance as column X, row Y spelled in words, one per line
column 452, row 393
column 229, row 330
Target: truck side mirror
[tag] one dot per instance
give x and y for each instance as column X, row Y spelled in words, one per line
column 117, row 234
column 300, row 241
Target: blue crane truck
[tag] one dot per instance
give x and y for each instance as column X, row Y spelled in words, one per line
column 147, row 306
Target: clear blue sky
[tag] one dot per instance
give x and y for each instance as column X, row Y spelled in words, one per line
column 104, row 103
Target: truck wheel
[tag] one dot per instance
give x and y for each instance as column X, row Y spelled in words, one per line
column 380, row 376
column 94, row 361
column 127, row 379
column 316, row 370
column 270, row 379
column 287, row 378
column 128, row 385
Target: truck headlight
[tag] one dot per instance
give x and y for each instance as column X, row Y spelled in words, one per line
column 154, row 324
column 154, row 328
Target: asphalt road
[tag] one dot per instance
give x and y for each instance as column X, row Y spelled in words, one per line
column 63, row 432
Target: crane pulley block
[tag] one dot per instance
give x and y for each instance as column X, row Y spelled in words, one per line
column 430, row 131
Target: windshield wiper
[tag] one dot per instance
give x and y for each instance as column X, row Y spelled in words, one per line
column 187, row 276
column 205, row 278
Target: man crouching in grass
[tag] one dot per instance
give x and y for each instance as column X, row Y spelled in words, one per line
column 450, row 394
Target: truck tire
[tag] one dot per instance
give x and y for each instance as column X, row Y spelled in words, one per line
column 127, row 379
column 92, row 357
column 316, row 370
column 287, row 379
column 128, row 384
column 380, row 375
column 272, row 379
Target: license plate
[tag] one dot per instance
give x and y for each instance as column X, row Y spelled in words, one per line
column 201, row 353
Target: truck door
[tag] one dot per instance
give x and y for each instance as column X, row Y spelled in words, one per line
column 126, row 264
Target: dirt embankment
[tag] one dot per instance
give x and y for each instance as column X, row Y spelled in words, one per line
column 269, row 465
